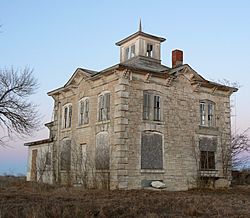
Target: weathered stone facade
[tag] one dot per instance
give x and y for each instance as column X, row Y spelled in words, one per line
column 173, row 154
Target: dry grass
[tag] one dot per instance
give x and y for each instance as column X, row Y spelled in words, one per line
column 22, row 199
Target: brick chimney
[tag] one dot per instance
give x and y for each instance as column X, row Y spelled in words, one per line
column 177, row 58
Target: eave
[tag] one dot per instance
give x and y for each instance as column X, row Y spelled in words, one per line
column 140, row 33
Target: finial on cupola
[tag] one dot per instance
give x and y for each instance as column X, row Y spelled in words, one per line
column 140, row 28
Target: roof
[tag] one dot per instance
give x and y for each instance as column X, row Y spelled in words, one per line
column 39, row 142
column 88, row 71
column 150, row 65
column 145, row 63
column 140, row 33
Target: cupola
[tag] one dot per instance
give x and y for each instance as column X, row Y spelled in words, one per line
column 140, row 44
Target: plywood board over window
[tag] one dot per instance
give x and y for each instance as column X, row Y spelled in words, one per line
column 151, row 151
column 102, row 151
column 34, row 165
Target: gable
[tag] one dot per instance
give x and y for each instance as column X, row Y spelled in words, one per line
column 197, row 81
column 79, row 75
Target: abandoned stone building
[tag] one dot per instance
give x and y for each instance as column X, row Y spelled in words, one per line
column 136, row 122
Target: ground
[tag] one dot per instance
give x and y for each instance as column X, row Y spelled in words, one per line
column 22, row 199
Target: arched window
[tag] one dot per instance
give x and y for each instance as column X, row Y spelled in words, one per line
column 67, row 116
column 151, row 150
column 102, row 151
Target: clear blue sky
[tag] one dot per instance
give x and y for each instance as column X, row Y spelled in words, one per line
column 56, row 37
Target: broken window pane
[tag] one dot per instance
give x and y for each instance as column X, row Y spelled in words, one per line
column 202, row 113
column 207, row 160
column 207, row 113
column 156, row 108
column 149, row 50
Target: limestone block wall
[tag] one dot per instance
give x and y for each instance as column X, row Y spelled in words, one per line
column 179, row 127
column 38, row 169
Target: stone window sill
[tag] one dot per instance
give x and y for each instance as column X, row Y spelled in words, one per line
column 102, row 171
column 154, row 122
column 208, row 127
column 83, row 126
column 152, row 171
column 66, row 129
column 209, row 173
column 102, row 122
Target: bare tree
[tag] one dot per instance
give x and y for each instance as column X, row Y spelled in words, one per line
column 18, row 115
column 240, row 148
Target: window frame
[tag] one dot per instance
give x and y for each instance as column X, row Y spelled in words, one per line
column 152, row 106
column 83, row 111
column 67, row 116
column 207, row 160
column 130, row 51
column 104, row 106
column 149, row 50
column 207, row 113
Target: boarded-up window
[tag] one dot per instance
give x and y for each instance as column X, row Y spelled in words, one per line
column 48, row 158
column 151, row 151
column 102, row 151
column 34, row 165
column 65, row 155
column 208, row 146
column 104, row 107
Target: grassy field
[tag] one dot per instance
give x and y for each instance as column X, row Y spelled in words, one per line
column 22, row 199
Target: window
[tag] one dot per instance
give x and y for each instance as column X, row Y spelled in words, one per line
column 151, row 106
column 67, row 116
column 151, row 151
column 210, row 115
column 104, row 107
column 207, row 160
column 48, row 158
column 65, row 155
column 208, row 146
column 102, row 151
column 84, row 111
column 149, row 50
column 146, row 105
column 156, row 107
column 207, row 113
column 130, row 52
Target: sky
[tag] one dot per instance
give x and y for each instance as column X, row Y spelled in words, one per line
column 56, row 37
